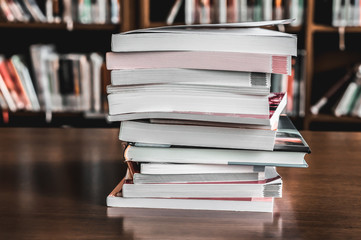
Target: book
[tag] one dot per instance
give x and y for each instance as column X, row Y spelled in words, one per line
column 348, row 99
column 190, row 76
column 237, row 137
column 171, row 168
column 13, row 90
column 173, row 12
column 272, row 188
column 96, row 61
column 6, row 12
column 4, row 108
column 231, row 61
column 315, row 108
column 18, row 84
column 245, row 204
column 289, row 151
column 7, row 95
column 220, row 177
column 23, row 74
column 190, row 11
column 276, row 104
column 189, row 89
column 245, row 40
column 35, row 11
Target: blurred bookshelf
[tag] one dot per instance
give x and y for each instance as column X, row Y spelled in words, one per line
column 325, row 62
column 319, row 40
column 332, row 44
column 74, row 30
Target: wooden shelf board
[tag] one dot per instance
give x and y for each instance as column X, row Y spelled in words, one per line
column 333, row 119
column 331, row 29
column 58, row 114
column 77, row 26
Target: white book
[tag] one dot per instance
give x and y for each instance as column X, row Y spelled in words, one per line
column 220, row 11
column 289, row 151
column 96, row 61
column 171, row 168
column 246, row 40
column 188, row 89
column 24, row 76
column 190, row 11
column 249, row 205
column 204, row 190
column 192, row 102
column 342, row 107
column 267, row 9
column 138, row 110
column 190, row 77
column 214, row 156
column 242, row 10
column 190, row 177
column 201, row 136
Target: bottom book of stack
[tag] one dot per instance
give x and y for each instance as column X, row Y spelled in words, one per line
column 243, row 188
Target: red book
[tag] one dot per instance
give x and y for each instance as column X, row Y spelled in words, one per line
column 13, row 90
column 19, row 86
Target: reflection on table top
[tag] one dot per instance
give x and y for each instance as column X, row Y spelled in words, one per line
column 54, row 183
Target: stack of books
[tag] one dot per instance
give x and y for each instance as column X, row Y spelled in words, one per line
column 201, row 127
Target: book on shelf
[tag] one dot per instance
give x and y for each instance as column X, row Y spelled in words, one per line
column 14, row 84
column 23, row 73
column 343, row 97
column 338, row 13
column 36, row 13
column 197, row 11
column 347, row 103
column 67, row 82
column 57, row 11
column 195, row 140
column 6, row 93
column 4, row 108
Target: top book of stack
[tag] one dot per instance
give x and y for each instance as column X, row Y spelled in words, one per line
column 237, row 37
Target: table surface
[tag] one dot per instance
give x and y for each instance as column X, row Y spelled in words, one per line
column 54, row 183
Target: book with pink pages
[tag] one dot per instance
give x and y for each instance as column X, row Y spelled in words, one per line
column 209, row 60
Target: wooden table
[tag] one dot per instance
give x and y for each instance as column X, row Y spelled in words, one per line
column 54, row 183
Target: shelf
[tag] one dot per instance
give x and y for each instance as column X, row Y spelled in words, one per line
column 57, row 26
column 331, row 29
column 333, row 119
column 59, row 119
